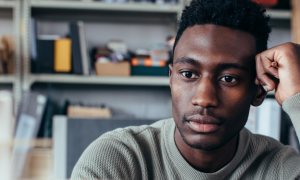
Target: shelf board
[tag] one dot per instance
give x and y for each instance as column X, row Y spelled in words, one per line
column 34, row 143
column 118, row 80
column 92, row 5
column 280, row 14
column 4, row 79
column 8, row 4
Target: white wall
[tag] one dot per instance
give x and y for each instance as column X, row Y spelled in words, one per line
column 279, row 35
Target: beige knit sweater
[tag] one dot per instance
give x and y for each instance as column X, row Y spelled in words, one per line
column 150, row 152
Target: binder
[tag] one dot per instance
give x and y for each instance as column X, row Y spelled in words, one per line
column 76, row 51
column 80, row 58
column 28, row 122
column 83, row 47
column 62, row 55
column 45, row 58
column 33, row 45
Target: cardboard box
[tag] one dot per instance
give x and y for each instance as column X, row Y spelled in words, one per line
column 88, row 112
column 113, row 69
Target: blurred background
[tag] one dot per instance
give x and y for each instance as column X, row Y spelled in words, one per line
column 71, row 70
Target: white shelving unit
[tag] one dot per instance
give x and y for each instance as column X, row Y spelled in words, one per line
column 28, row 5
column 131, row 6
column 109, row 80
column 15, row 79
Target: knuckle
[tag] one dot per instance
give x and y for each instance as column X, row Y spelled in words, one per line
column 289, row 44
column 259, row 75
column 290, row 47
column 258, row 56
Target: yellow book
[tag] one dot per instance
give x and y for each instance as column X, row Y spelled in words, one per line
column 62, row 55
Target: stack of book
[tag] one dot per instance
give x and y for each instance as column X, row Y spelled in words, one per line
column 53, row 54
column 153, row 62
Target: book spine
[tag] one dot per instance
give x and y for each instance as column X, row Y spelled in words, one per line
column 45, row 58
column 83, row 49
column 33, row 45
column 62, row 57
column 76, row 52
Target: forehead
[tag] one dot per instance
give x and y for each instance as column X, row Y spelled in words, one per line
column 215, row 42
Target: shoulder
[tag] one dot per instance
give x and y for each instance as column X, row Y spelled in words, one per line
column 133, row 133
column 116, row 154
column 272, row 155
column 263, row 143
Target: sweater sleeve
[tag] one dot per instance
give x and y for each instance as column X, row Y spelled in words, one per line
column 290, row 163
column 106, row 158
column 292, row 107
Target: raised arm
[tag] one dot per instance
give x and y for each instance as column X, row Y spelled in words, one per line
column 278, row 69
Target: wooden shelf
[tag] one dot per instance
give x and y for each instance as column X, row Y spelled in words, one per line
column 78, row 79
column 92, row 5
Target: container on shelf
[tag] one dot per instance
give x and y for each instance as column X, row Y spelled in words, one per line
column 149, row 71
column 113, row 69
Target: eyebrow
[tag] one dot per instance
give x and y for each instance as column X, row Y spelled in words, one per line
column 187, row 60
column 232, row 65
column 220, row 65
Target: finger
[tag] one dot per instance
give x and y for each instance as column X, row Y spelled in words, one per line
column 268, row 66
column 263, row 75
column 257, row 81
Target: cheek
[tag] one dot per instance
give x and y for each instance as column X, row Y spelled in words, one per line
column 180, row 96
column 236, row 103
column 240, row 95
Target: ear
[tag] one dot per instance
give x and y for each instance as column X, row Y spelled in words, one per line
column 259, row 96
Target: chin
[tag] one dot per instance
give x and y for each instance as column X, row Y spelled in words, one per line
column 206, row 142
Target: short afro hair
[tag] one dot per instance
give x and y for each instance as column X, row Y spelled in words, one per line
column 244, row 15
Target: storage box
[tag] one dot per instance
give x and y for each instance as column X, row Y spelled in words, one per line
column 149, row 71
column 88, row 112
column 113, row 69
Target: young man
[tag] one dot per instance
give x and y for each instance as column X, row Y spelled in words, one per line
column 220, row 68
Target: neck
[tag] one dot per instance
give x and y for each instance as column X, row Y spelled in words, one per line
column 207, row 161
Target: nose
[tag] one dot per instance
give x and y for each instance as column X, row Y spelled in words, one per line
column 205, row 94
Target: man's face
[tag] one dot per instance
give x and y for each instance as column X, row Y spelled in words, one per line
column 212, row 84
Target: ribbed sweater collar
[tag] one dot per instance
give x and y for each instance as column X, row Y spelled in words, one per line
column 186, row 170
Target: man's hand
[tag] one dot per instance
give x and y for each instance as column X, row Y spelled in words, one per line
column 285, row 78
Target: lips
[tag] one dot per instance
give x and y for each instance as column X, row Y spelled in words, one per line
column 203, row 124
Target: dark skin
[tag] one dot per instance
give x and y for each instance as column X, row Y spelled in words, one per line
column 212, row 85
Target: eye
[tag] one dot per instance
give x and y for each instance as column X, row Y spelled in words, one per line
column 228, row 79
column 188, row 74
